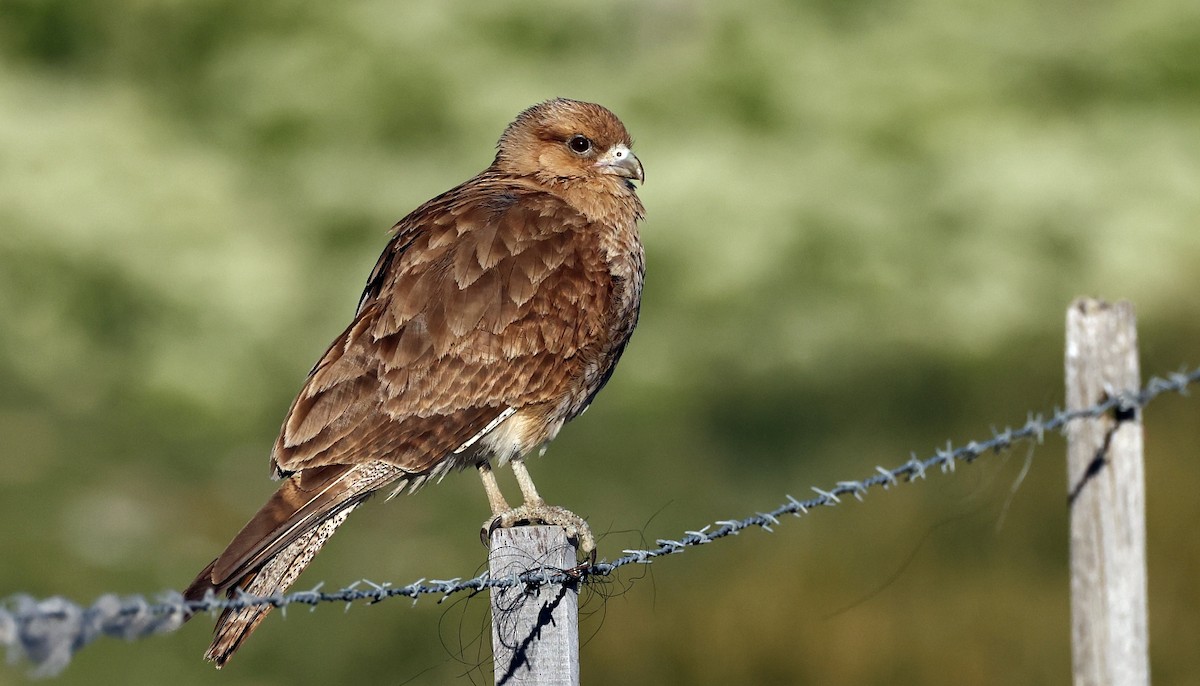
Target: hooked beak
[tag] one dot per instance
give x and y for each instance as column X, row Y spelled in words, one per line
column 619, row 160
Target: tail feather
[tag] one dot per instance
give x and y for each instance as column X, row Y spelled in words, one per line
column 279, row 573
column 281, row 540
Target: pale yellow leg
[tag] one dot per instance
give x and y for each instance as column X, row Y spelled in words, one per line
column 495, row 498
column 528, row 490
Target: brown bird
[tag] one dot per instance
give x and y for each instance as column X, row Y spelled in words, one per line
column 494, row 315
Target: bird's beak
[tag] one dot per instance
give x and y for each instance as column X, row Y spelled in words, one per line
column 619, row 160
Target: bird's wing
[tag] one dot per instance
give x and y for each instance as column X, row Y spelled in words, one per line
column 489, row 298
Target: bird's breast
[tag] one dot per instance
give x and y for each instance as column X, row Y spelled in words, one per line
column 624, row 262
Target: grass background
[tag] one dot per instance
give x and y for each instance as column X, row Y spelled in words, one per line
column 866, row 220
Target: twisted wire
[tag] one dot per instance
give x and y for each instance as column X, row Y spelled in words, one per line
column 49, row 632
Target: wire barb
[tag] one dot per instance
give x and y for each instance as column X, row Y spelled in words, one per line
column 49, row 632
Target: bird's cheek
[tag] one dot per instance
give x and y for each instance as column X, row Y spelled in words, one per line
column 549, row 161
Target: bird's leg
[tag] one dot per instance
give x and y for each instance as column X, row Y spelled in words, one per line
column 534, row 509
column 495, row 500
column 525, row 482
column 495, row 497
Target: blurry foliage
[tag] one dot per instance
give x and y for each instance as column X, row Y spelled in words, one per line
column 865, row 222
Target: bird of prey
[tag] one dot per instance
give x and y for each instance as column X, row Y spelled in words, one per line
column 495, row 314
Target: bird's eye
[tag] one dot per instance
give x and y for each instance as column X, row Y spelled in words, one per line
column 579, row 144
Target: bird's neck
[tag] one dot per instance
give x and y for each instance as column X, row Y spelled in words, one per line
column 607, row 200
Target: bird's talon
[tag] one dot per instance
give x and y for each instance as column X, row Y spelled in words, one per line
column 575, row 527
column 489, row 527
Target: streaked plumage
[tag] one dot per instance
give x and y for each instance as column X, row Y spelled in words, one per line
column 494, row 315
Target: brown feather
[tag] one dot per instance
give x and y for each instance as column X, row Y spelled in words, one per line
column 511, row 294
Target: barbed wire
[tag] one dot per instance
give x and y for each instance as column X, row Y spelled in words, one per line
column 49, row 632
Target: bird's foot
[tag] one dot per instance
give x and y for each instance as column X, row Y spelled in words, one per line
column 540, row 513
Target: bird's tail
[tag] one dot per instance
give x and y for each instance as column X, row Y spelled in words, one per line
column 280, row 541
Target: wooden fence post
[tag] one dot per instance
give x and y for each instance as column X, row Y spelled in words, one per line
column 1106, row 495
column 535, row 633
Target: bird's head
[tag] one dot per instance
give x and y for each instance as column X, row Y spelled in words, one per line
column 565, row 141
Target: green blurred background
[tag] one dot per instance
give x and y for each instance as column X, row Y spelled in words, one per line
column 866, row 220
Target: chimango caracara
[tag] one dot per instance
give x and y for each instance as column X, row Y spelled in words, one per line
column 494, row 316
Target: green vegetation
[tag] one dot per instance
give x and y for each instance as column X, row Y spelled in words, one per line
column 866, row 220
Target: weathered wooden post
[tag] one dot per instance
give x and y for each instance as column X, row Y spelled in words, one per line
column 1106, row 495
column 535, row 632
